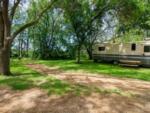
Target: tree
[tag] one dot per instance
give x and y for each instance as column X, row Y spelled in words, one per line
column 50, row 38
column 133, row 15
column 82, row 16
column 7, row 35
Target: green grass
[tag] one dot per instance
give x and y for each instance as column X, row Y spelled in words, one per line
column 100, row 68
column 24, row 78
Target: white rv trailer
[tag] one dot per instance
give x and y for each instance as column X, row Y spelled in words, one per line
column 126, row 53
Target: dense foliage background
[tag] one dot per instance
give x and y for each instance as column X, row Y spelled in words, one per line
column 71, row 28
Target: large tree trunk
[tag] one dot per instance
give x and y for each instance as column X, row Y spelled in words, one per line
column 5, row 61
column 5, row 42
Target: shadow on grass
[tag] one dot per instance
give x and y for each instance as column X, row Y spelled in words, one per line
column 51, row 85
column 62, row 87
column 25, row 78
column 17, row 83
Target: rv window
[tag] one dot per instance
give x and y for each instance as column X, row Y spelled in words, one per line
column 146, row 48
column 133, row 48
column 101, row 48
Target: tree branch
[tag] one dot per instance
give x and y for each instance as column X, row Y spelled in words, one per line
column 33, row 22
column 13, row 10
column 100, row 12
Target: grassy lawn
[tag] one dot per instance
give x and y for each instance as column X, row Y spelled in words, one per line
column 24, row 78
column 100, row 68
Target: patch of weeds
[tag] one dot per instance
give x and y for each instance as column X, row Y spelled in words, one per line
column 16, row 83
column 80, row 89
column 54, row 86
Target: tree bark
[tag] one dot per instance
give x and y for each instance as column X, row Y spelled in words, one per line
column 89, row 51
column 5, row 61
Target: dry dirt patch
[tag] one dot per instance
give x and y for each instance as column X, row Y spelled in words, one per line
column 37, row 101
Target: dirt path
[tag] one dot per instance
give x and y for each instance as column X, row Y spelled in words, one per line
column 37, row 101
